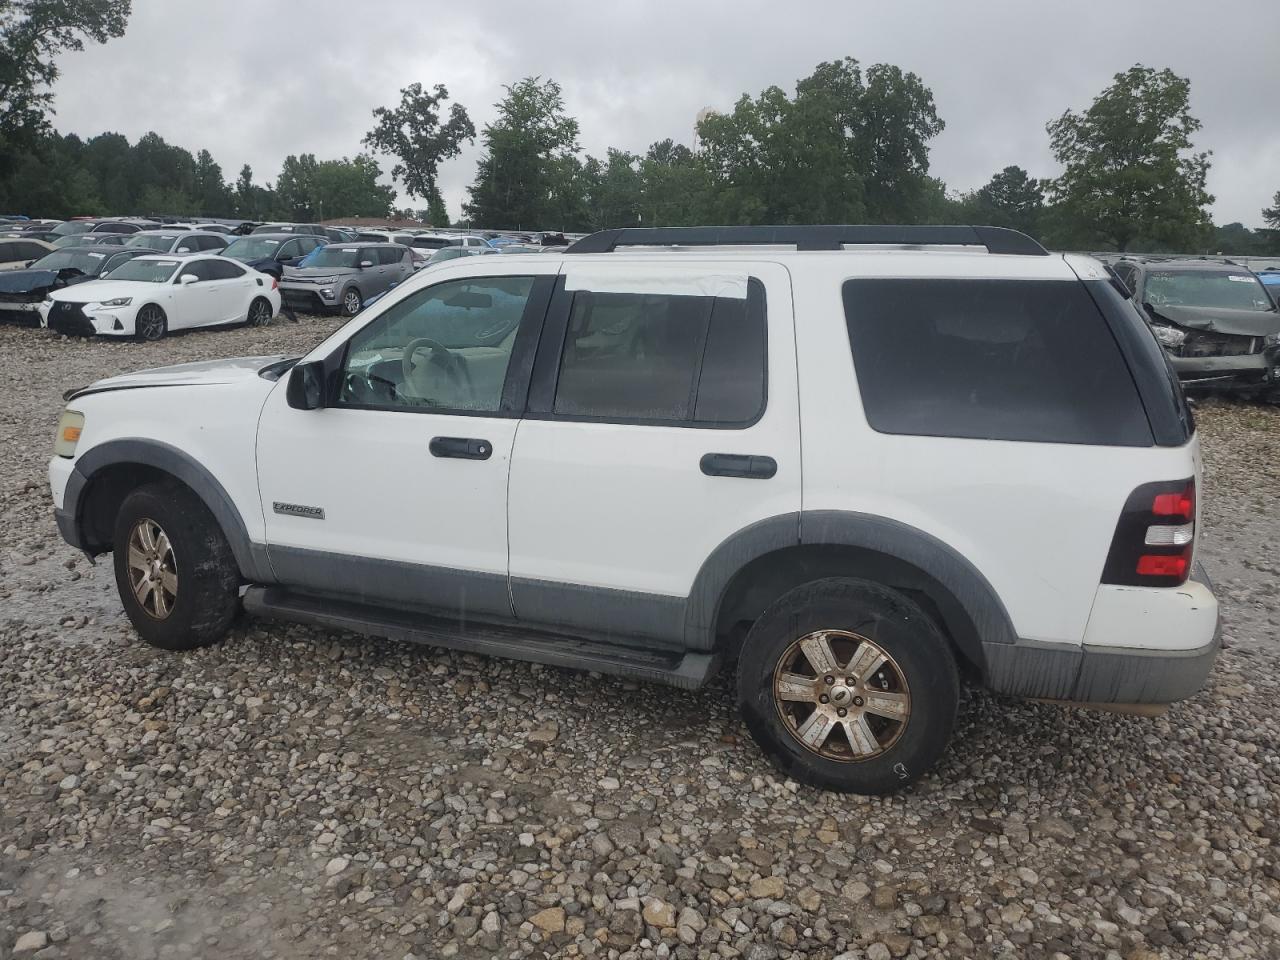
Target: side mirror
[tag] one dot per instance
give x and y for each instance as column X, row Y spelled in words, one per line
column 365, row 263
column 188, row 278
column 305, row 390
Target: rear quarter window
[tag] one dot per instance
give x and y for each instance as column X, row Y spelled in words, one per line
column 1027, row 360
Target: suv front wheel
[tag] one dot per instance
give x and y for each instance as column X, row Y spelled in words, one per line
column 175, row 572
column 849, row 686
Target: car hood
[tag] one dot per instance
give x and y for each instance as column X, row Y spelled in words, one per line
column 95, row 291
column 1246, row 323
column 204, row 373
column 27, row 281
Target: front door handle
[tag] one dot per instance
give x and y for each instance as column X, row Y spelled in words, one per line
column 738, row 465
column 461, row 448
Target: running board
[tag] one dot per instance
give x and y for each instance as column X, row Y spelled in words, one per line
column 686, row 670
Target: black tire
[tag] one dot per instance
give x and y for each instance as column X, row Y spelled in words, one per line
column 897, row 626
column 352, row 302
column 207, row 586
column 259, row 314
column 151, row 323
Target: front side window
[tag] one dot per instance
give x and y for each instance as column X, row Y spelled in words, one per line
column 443, row 348
column 10, row 252
column 1029, row 360
column 664, row 358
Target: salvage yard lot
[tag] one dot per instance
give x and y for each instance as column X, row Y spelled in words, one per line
column 299, row 793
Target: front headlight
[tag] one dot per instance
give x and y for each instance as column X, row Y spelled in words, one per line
column 70, row 424
column 1169, row 336
column 117, row 302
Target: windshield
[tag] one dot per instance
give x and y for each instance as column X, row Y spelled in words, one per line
column 85, row 261
column 152, row 241
column 251, row 248
column 335, row 255
column 145, row 270
column 1207, row 288
column 73, row 226
column 447, row 253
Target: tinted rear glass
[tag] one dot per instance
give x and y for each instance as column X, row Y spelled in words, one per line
column 1024, row 360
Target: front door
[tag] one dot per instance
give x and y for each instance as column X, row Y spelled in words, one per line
column 395, row 491
column 662, row 420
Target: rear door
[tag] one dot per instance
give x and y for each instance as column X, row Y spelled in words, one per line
column 662, row 420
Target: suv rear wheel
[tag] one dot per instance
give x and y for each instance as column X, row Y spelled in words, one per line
column 849, row 686
column 174, row 569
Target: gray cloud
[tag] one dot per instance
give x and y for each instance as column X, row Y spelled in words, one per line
column 254, row 81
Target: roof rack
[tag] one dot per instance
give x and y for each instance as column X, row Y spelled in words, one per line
column 995, row 239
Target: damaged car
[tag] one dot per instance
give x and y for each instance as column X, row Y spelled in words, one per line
column 1215, row 319
column 23, row 293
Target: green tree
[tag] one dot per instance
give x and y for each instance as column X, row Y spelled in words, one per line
column 613, row 191
column 212, row 196
column 1272, row 214
column 414, row 134
column 349, row 188
column 529, row 175
column 1130, row 172
column 436, row 213
column 675, row 187
column 33, row 34
column 847, row 147
column 1011, row 198
column 296, row 188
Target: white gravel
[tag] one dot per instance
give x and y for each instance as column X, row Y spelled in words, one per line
column 298, row 793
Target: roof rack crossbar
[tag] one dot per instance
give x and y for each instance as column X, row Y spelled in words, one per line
column 995, row 239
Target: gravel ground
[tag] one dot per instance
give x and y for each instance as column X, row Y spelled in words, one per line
column 300, row 793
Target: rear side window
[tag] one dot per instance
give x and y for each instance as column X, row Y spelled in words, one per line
column 1029, row 360
column 662, row 358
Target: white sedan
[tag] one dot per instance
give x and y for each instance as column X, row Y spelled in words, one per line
column 149, row 296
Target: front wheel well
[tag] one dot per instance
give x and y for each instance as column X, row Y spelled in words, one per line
column 762, row 581
column 103, row 494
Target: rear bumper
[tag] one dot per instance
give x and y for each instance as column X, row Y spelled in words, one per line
column 1112, row 670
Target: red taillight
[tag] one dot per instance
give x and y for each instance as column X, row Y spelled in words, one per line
column 1181, row 505
column 1155, row 536
column 1155, row 565
column 275, row 283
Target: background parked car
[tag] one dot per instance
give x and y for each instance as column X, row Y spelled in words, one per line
column 272, row 252
column 102, row 226
column 332, row 234
column 1215, row 320
column 91, row 239
column 17, row 254
column 178, row 241
column 340, row 277
column 23, row 293
column 154, row 294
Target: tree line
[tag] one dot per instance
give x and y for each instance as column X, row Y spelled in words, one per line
column 850, row 145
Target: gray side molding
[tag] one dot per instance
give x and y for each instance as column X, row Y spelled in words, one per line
column 152, row 453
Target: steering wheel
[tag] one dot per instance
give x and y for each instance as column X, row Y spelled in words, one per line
column 454, row 366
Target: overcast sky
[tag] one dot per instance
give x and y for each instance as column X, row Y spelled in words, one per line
column 255, row 80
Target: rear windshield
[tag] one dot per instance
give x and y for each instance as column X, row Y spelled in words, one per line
column 1030, row 360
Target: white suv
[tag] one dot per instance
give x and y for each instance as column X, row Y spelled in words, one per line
column 861, row 468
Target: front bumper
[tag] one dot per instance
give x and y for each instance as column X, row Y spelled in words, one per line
column 1251, row 371
column 1180, row 631
column 311, row 299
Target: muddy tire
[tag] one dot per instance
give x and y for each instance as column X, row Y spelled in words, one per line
column 175, row 571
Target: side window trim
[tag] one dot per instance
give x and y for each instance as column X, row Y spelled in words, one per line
column 546, row 372
column 515, row 386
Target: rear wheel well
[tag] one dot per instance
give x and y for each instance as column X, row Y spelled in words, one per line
column 762, row 581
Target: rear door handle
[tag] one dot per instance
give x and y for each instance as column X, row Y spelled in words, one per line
column 461, row 448
column 738, row 465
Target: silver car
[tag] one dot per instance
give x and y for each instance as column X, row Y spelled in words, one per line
column 339, row 278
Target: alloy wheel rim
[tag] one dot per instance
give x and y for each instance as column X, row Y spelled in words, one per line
column 150, row 324
column 841, row 696
column 260, row 314
column 353, row 302
column 153, row 570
